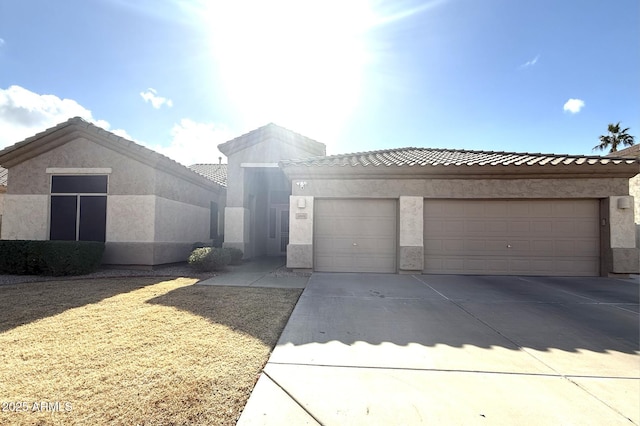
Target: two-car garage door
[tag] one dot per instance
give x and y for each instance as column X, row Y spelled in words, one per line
column 512, row 237
column 492, row 237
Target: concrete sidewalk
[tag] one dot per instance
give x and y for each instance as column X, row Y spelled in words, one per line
column 373, row 349
column 260, row 272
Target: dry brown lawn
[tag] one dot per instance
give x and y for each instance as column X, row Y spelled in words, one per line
column 134, row 351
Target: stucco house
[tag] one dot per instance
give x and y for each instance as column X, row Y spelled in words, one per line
column 634, row 184
column 408, row 210
column 77, row 181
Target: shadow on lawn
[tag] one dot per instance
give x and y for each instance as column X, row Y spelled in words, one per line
column 27, row 302
column 259, row 312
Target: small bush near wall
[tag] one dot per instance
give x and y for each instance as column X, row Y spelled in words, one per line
column 235, row 255
column 55, row 258
column 209, row 259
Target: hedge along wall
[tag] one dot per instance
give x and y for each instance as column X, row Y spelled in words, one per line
column 23, row 257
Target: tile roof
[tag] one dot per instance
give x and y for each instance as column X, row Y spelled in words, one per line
column 214, row 172
column 4, row 174
column 448, row 157
column 631, row 152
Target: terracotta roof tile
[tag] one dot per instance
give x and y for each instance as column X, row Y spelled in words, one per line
column 214, row 172
column 448, row 157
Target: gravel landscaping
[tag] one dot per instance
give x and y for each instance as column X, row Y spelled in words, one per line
column 174, row 271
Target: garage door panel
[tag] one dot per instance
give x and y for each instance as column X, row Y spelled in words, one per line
column 534, row 237
column 355, row 235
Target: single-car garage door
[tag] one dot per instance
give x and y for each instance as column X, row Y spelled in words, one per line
column 512, row 237
column 355, row 235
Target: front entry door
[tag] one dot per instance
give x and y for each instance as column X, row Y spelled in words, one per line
column 278, row 232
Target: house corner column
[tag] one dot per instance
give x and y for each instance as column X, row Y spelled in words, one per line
column 622, row 251
column 300, row 247
column 411, row 257
column 236, row 229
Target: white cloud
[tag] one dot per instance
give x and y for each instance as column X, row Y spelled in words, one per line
column 151, row 95
column 573, row 105
column 530, row 63
column 194, row 142
column 24, row 113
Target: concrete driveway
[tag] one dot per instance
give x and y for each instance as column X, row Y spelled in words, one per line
column 430, row 349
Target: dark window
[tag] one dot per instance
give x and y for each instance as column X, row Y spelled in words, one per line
column 76, row 216
column 284, row 230
column 93, row 218
column 63, row 217
column 213, row 227
column 272, row 223
column 79, row 184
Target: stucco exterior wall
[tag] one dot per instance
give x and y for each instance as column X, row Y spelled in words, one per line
column 131, row 218
column 411, row 235
column 465, row 188
column 300, row 248
column 251, row 176
column 236, row 228
column 269, row 151
column 26, row 217
column 177, row 222
column 128, row 177
column 634, row 190
column 171, row 187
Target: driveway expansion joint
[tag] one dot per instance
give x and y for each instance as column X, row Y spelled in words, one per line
column 293, row 398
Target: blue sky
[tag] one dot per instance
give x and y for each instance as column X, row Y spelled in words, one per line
column 182, row 76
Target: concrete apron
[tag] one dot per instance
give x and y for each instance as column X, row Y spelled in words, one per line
column 395, row 349
column 257, row 273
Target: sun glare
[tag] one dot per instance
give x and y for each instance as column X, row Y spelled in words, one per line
column 297, row 63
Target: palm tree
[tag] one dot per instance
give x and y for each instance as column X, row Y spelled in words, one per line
column 614, row 138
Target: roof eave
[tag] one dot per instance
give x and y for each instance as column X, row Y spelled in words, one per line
column 73, row 130
column 252, row 138
column 462, row 172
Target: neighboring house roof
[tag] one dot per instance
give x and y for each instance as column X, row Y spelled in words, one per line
column 4, row 175
column 77, row 127
column 435, row 160
column 631, row 152
column 214, row 172
column 275, row 132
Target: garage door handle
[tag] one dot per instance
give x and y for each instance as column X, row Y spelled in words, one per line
column 508, row 245
column 355, row 244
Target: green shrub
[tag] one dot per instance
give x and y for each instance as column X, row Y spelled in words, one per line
column 235, row 254
column 55, row 258
column 209, row 259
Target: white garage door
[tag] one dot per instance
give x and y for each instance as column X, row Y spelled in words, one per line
column 512, row 237
column 355, row 236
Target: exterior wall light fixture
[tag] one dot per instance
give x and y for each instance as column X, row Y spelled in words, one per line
column 624, row 203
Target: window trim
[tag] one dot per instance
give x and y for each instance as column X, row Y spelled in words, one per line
column 78, row 195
